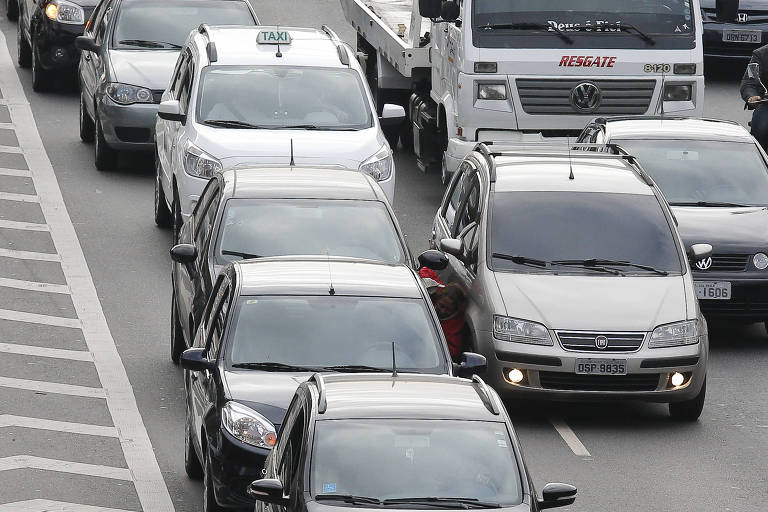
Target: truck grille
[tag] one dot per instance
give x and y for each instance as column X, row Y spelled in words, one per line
column 553, row 96
column 725, row 263
column 584, row 341
column 573, row 382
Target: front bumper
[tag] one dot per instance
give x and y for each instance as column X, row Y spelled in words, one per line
column 234, row 466
column 128, row 127
column 55, row 44
column 714, row 46
column 749, row 297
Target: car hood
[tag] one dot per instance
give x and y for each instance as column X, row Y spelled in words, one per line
column 580, row 302
column 726, row 229
column 146, row 68
column 244, row 147
column 268, row 393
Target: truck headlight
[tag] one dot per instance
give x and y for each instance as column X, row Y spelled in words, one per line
column 65, row 12
column 675, row 334
column 247, row 425
column 199, row 163
column 491, row 91
column 380, row 165
column 520, row 331
column 677, row 92
column 126, row 94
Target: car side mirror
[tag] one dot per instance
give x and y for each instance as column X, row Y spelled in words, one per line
column 450, row 10
column 268, row 490
column 727, row 10
column 184, row 253
column 392, row 115
column 170, row 110
column 452, row 246
column 194, row 360
column 434, row 259
column 700, row 251
column 430, row 8
column 87, row 44
column 470, row 364
column 557, row 495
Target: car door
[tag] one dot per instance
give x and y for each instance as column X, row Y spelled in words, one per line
column 203, row 233
column 447, row 218
column 290, row 468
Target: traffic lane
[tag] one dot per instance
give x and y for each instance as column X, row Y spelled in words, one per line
column 722, row 99
column 305, row 13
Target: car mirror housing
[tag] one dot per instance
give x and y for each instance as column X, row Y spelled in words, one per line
column 433, row 259
column 170, row 110
column 268, row 490
column 471, row 364
column 184, row 253
column 450, row 10
column 452, row 246
column 87, row 44
column 701, row 251
column 194, row 360
column 392, row 115
column 557, row 495
column 430, row 8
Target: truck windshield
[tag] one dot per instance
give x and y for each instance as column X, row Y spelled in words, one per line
column 587, row 23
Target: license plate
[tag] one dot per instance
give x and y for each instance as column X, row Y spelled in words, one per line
column 742, row 36
column 713, row 290
column 601, row 366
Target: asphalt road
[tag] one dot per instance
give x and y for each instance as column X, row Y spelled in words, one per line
column 621, row 457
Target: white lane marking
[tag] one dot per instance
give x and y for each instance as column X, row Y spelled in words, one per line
column 570, row 438
column 9, row 149
column 28, row 255
column 15, row 172
column 53, row 506
column 52, row 387
column 21, row 198
column 56, row 353
column 35, row 318
column 26, row 226
column 35, row 286
column 63, row 466
column 137, row 448
column 9, row 420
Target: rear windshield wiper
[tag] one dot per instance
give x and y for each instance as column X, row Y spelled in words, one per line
column 275, row 367
column 148, row 44
column 594, row 262
column 244, row 255
column 355, row 368
column 442, row 502
column 642, row 35
column 231, row 123
column 349, row 498
column 711, row 203
column 546, row 27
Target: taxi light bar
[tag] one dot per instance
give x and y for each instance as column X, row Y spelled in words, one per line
column 273, row 37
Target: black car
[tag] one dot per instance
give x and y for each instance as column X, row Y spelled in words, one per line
column 396, row 442
column 273, row 322
column 46, row 38
column 741, row 27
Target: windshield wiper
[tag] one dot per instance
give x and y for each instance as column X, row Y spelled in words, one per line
column 355, row 368
column 592, row 262
column 349, row 498
column 148, row 44
column 442, row 502
column 639, row 33
column 275, row 367
column 231, row 123
column 711, row 203
column 546, row 27
column 244, row 255
column 521, row 260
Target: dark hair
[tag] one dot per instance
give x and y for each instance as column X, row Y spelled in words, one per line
column 454, row 292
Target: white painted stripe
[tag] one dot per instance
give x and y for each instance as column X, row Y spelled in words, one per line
column 52, row 387
column 15, row 172
column 34, row 318
column 63, row 466
column 34, row 286
column 52, row 506
column 9, row 420
column 55, row 353
column 26, row 226
column 570, row 438
column 28, row 255
column 137, row 448
column 9, row 149
column 21, row 198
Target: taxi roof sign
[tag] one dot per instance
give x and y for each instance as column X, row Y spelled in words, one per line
column 274, row 37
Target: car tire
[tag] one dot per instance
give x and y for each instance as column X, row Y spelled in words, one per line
column 209, row 497
column 163, row 216
column 178, row 345
column 24, row 51
column 192, row 465
column 87, row 128
column 106, row 157
column 12, row 10
column 689, row 410
column 41, row 78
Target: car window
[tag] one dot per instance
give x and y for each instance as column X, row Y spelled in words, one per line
column 291, row 457
column 205, row 211
column 179, row 73
column 218, row 319
column 101, row 25
column 454, row 198
column 200, row 341
column 469, row 206
column 95, row 18
column 185, row 85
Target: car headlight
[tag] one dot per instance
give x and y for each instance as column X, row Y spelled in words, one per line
column 675, row 334
column 491, row 91
column 65, row 12
column 520, row 331
column 379, row 165
column 760, row 260
column 678, row 92
column 247, row 425
column 199, row 163
column 126, row 94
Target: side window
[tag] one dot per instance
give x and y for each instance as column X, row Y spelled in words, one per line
column 289, row 463
column 101, row 25
column 200, row 336
column 205, row 212
column 217, row 319
column 469, row 207
column 178, row 74
column 93, row 20
column 455, row 195
column 185, row 87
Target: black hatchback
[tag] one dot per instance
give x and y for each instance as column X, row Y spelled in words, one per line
column 734, row 28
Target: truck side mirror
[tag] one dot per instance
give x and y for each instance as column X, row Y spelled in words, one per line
column 450, row 11
column 727, row 10
column 430, row 8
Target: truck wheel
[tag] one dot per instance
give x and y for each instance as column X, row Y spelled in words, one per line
column 689, row 410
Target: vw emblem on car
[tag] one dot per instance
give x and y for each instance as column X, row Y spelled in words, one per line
column 704, row 264
column 742, row 17
column 601, row 342
column 585, row 97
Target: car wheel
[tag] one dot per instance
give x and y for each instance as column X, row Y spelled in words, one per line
column 87, row 128
column 163, row 217
column 192, row 464
column 24, row 51
column 209, row 498
column 40, row 77
column 178, row 345
column 689, row 410
column 106, row 157
column 12, row 9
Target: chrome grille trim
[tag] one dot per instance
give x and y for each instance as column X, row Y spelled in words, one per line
column 725, row 263
column 584, row 341
column 544, row 96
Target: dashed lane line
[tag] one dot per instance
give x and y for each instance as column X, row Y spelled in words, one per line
column 20, row 198
column 29, row 255
column 25, row 226
column 36, row 318
column 63, row 466
column 35, row 351
column 15, row 172
column 570, row 438
column 9, row 149
column 9, row 420
column 52, row 506
column 57, row 388
column 35, row 286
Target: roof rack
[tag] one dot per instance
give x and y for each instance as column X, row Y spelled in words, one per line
column 322, row 405
column 210, row 48
column 485, row 395
column 341, row 46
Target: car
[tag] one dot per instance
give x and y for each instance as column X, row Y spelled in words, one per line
column 45, row 37
column 129, row 50
column 269, row 325
column 313, row 108
column 577, row 282
column 715, row 176
column 393, row 441
column 741, row 27
column 254, row 212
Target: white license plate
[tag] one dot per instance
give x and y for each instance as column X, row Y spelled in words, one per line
column 713, row 290
column 742, row 36
column 601, row 366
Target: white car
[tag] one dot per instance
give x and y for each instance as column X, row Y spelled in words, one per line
column 267, row 96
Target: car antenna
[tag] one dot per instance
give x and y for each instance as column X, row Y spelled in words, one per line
column 331, row 290
column 279, row 53
column 394, row 361
column 292, row 162
column 570, row 163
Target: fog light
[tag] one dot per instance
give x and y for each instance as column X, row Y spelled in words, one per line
column 677, row 379
column 515, row 376
column 760, row 260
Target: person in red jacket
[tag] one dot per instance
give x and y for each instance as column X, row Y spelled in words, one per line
column 449, row 302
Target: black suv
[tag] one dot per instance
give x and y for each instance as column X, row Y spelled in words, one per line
column 399, row 442
column 46, row 38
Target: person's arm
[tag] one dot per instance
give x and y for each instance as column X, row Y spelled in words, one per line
column 751, row 90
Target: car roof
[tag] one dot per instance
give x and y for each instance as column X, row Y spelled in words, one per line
column 419, row 396
column 238, row 46
column 676, row 128
column 300, row 183
column 324, row 275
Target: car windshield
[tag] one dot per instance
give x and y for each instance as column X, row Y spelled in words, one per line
column 149, row 24
column 586, row 23
column 331, row 331
column 703, row 171
column 553, row 226
column 415, row 459
column 276, row 227
column 283, row 97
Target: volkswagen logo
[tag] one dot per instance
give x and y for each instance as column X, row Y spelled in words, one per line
column 585, row 97
column 742, row 17
column 704, row 264
column 601, row 342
